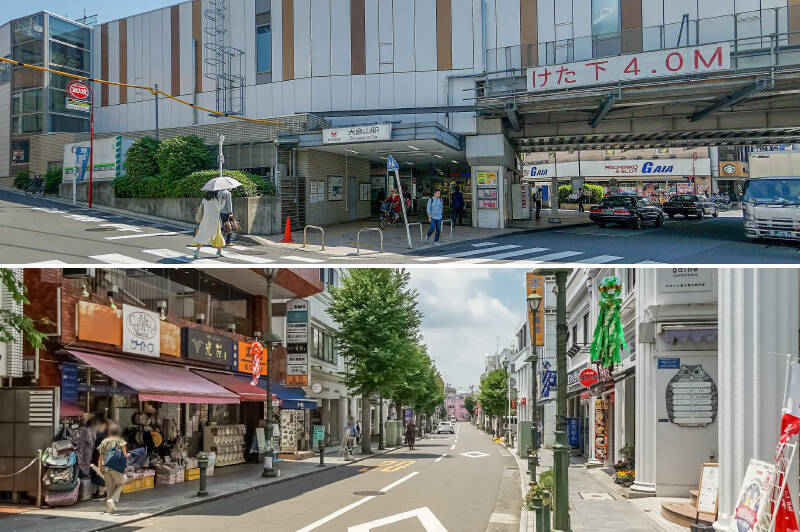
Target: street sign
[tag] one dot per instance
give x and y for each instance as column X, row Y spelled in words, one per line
column 391, row 164
column 588, row 377
column 573, row 432
column 78, row 90
column 669, row 363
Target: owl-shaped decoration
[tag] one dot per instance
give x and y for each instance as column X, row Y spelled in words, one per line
column 692, row 397
column 608, row 335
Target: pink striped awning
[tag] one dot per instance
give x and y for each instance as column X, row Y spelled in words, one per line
column 159, row 382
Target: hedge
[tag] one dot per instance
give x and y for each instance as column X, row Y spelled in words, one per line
column 181, row 156
column 52, row 179
column 22, row 180
column 140, row 160
column 189, row 187
column 564, row 192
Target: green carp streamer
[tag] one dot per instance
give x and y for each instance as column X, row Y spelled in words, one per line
column 608, row 335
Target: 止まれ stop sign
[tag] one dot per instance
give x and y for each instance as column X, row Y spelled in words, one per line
column 588, row 377
column 78, row 90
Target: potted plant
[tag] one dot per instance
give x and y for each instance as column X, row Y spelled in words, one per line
column 628, row 452
column 625, row 477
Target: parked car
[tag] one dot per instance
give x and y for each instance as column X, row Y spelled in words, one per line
column 690, row 205
column 626, row 210
column 445, row 426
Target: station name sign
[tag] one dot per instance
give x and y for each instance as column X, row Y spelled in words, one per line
column 631, row 67
column 347, row 135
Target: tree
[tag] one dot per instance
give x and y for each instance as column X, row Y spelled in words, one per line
column 378, row 334
column 470, row 403
column 180, row 156
column 140, row 160
column 12, row 321
column 493, row 393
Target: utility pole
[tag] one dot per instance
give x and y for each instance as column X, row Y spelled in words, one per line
column 271, row 339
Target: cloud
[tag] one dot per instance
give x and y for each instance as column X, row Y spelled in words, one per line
column 465, row 312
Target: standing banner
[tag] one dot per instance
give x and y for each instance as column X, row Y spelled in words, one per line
column 535, row 285
column 297, row 342
column 786, row 518
column 255, row 352
column 752, row 504
column 141, row 331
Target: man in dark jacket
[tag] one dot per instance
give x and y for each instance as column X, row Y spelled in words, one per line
column 458, row 206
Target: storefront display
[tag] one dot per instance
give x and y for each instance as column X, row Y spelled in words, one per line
column 226, row 441
column 487, row 190
column 600, row 430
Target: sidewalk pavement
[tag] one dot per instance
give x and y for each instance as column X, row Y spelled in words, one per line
column 227, row 481
column 597, row 504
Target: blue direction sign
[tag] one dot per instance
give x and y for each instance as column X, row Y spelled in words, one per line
column 573, row 432
column 391, row 164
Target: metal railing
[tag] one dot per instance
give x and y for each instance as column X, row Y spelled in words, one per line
column 317, row 228
column 358, row 237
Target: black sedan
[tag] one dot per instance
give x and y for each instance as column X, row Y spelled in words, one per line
column 690, row 205
column 626, row 210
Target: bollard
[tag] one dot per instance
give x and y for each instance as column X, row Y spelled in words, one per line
column 321, row 453
column 202, row 463
column 546, row 502
column 269, row 469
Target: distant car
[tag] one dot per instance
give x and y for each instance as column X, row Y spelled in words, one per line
column 445, row 426
column 630, row 210
column 690, row 205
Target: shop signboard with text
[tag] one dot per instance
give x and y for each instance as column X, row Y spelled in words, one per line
column 297, row 312
column 141, row 331
column 243, row 359
column 620, row 168
column 207, row 347
column 671, row 280
column 690, row 60
column 347, row 135
column 108, row 159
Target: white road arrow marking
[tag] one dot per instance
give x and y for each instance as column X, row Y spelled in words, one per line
column 424, row 514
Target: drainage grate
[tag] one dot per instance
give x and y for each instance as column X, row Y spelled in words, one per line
column 100, row 229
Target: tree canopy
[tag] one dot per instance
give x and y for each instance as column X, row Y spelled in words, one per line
column 470, row 403
column 13, row 322
column 493, row 393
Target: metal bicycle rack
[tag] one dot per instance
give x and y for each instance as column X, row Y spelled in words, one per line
column 451, row 227
column 358, row 237
column 421, row 233
column 320, row 229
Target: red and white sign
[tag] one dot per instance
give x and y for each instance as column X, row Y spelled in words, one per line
column 523, row 401
column 255, row 352
column 631, row 67
column 585, row 396
column 588, row 377
column 78, row 90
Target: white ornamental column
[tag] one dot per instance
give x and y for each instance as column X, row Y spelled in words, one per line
column 619, row 419
column 758, row 326
column 645, row 400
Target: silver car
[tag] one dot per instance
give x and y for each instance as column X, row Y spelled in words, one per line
column 445, row 426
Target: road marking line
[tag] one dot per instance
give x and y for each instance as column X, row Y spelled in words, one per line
column 116, row 258
column 45, row 263
column 302, row 259
column 484, row 244
column 553, row 256
column 398, row 482
column 336, row 514
column 236, row 256
column 84, row 218
column 123, row 227
column 426, row 518
column 397, row 466
column 649, row 262
column 452, row 446
column 168, row 233
column 600, row 259
column 438, row 459
column 170, row 254
column 468, row 253
column 502, row 256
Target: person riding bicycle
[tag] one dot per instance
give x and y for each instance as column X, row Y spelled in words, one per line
column 392, row 206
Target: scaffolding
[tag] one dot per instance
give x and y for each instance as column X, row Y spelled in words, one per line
column 222, row 63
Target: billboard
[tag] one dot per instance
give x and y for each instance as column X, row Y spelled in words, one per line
column 109, row 159
column 297, row 342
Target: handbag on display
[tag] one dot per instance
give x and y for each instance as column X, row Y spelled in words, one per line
column 62, row 498
column 231, row 226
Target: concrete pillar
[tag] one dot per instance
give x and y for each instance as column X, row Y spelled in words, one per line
column 619, row 420
column 646, row 417
column 758, row 326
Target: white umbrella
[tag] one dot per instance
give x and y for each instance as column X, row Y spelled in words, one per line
column 221, row 183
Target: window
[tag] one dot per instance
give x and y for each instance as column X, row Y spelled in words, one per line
column 31, row 52
column 26, row 124
column 64, row 31
column 26, row 102
column 68, row 56
column 574, row 334
column 606, row 26
column 585, row 329
column 68, row 124
column 27, row 28
column 264, row 46
column 323, row 347
column 5, row 72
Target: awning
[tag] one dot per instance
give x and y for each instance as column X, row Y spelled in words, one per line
column 69, row 409
column 237, row 384
column 159, row 382
column 291, row 398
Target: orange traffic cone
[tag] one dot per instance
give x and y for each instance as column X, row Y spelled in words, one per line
column 287, row 234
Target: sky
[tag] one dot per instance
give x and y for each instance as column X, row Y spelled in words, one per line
column 466, row 310
column 104, row 9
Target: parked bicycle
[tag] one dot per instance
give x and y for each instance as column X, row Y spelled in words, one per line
column 35, row 187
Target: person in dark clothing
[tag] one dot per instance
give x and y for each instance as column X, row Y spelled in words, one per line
column 411, row 435
column 458, row 206
column 537, row 199
column 581, row 199
column 100, row 427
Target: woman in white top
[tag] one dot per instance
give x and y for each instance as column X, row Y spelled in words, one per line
column 209, row 232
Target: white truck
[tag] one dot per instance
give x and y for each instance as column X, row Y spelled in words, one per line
column 771, row 203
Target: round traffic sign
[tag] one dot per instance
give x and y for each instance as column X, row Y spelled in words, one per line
column 78, row 90
column 588, row 377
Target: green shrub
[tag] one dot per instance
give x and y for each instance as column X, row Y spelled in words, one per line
column 22, row 180
column 546, row 480
column 252, row 185
column 180, row 156
column 563, row 194
column 52, row 179
column 142, row 187
column 140, row 160
column 596, row 192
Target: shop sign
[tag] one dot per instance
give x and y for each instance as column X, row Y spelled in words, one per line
column 573, row 432
column 622, row 168
column 347, row 135
column 523, row 401
column 733, row 169
column 692, row 397
column 600, row 429
column 99, row 323
column 141, row 331
column 669, row 363
column 631, row 67
column 548, row 382
column 573, row 377
column 207, row 347
column 109, row 157
column 588, row 377
column 243, row 359
column 585, row 396
column 316, row 387
column 297, row 342
column 671, row 280
column 69, row 382
column 78, row 97
column 752, row 504
column 170, row 339
column 486, row 178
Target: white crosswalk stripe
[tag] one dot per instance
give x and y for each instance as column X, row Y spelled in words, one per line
column 461, row 254
column 503, row 256
column 600, row 259
column 116, row 258
column 236, row 256
column 649, row 262
column 302, row 259
column 484, row 244
column 553, row 257
column 145, row 235
column 171, row 254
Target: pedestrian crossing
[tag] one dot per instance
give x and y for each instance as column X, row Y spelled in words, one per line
column 492, row 252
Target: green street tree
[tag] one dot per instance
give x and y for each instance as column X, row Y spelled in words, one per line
column 13, row 322
column 492, row 395
column 470, row 403
column 378, row 334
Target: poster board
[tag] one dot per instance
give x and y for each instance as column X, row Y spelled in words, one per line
column 365, row 191
column 708, row 489
column 317, row 191
column 752, row 504
column 297, row 312
column 335, row 188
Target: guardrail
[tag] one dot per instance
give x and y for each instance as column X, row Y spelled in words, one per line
column 358, row 237
column 320, row 229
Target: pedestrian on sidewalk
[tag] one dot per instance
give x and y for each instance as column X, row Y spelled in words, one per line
column 111, row 465
column 208, row 217
column 458, row 206
column 581, row 199
column 411, row 435
column 350, row 433
column 435, row 208
column 226, row 213
column 537, row 199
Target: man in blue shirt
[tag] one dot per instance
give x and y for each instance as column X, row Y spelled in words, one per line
column 435, row 208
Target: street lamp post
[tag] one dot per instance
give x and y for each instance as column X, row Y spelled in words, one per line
column 534, row 303
column 270, row 340
column 508, row 402
column 560, row 448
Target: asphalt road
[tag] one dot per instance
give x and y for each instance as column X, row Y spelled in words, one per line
column 435, row 487
column 44, row 232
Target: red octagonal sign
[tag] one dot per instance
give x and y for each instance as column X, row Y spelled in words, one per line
column 78, row 90
column 588, row 377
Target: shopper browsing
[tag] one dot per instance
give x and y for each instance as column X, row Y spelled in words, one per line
column 112, row 462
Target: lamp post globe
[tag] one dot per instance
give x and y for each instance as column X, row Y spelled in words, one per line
column 534, row 302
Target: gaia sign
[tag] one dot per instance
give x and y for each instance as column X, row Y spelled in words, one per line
column 608, row 334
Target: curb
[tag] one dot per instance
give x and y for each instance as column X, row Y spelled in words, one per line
column 552, row 227
column 210, row 498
